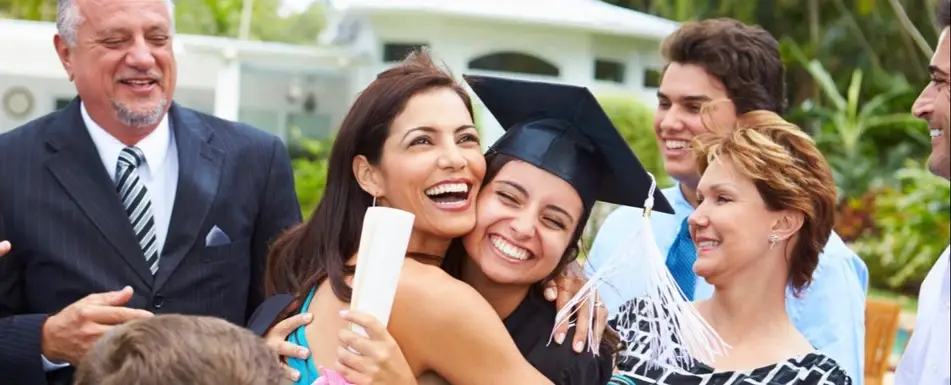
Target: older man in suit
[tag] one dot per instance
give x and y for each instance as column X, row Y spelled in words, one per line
column 124, row 189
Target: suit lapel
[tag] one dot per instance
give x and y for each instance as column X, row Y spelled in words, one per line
column 76, row 164
column 199, row 172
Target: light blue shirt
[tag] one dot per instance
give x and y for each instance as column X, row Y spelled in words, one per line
column 830, row 312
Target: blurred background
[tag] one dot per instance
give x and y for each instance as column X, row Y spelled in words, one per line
column 292, row 67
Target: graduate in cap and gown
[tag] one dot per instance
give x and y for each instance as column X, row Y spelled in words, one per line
column 559, row 155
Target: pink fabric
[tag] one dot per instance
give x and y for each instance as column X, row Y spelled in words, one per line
column 330, row 377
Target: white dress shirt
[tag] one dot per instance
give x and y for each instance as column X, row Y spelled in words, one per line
column 159, row 173
column 926, row 359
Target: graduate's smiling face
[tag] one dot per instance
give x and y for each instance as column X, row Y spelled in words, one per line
column 526, row 218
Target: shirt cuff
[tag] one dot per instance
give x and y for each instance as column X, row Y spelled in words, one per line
column 49, row 366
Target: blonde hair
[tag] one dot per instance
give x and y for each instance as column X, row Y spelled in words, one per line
column 178, row 349
column 790, row 174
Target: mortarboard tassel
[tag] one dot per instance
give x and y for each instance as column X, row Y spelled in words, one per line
column 677, row 334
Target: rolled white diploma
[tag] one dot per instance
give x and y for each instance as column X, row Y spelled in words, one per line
column 383, row 244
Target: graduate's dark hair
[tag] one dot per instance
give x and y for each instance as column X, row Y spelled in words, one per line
column 456, row 255
column 319, row 248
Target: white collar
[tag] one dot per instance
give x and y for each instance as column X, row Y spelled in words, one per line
column 154, row 146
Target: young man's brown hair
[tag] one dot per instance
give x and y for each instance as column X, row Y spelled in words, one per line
column 744, row 58
column 177, row 349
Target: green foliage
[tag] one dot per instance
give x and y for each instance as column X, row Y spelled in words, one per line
column 912, row 229
column 40, row 10
column 223, row 18
column 209, row 17
column 635, row 121
column 867, row 35
column 310, row 171
column 844, row 125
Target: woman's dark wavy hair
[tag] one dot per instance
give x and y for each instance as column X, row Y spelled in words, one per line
column 318, row 249
column 456, row 256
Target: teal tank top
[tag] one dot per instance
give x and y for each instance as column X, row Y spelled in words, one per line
column 306, row 368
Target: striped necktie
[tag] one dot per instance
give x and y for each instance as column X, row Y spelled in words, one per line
column 680, row 261
column 135, row 198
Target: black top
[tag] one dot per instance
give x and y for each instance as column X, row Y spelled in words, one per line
column 810, row 369
column 563, row 130
column 531, row 324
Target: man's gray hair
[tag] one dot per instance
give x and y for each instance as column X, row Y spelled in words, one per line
column 68, row 19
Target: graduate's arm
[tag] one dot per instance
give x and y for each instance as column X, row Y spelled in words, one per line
column 448, row 328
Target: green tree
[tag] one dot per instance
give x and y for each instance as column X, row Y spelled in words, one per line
column 42, row 10
column 209, row 17
column 913, row 223
column 223, row 18
column 310, row 172
column 887, row 39
column 635, row 121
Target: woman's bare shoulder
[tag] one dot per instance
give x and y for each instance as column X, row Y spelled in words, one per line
column 431, row 282
column 428, row 292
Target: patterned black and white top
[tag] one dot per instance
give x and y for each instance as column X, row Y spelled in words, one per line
column 811, row 369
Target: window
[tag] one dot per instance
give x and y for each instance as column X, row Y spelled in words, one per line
column 609, row 71
column 61, row 103
column 395, row 52
column 262, row 119
column 310, row 126
column 514, row 62
column 652, row 78
column 307, row 127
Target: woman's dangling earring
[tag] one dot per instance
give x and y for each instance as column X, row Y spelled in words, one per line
column 374, row 202
column 773, row 238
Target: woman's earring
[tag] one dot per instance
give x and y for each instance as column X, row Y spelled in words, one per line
column 773, row 238
column 374, row 202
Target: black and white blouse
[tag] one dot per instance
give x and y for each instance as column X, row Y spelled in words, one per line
column 638, row 368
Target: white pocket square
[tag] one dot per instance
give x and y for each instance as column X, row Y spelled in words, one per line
column 216, row 237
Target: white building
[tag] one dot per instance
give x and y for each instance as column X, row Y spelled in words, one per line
column 278, row 86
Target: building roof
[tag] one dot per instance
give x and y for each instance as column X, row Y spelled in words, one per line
column 592, row 15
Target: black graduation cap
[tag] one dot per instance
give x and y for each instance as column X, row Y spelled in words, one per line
column 562, row 129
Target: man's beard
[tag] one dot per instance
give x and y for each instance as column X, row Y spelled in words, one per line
column 137, row 119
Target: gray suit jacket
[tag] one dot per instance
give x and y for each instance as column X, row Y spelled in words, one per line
column 71, row 235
